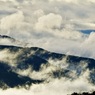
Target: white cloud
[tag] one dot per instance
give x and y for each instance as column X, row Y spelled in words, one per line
column 46, row 71
column 74, row 1
column 68, row 1
column 12, row 21
column 38, row 13
column 91, row 39
column 9, row 57
column 48, row 22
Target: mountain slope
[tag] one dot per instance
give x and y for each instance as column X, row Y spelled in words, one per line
column 7, row 40
column 33, row 58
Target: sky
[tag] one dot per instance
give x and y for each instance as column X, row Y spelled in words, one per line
column 51, row 24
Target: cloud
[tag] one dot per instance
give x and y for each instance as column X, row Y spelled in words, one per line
column 68, row 1
column 48, row 22
column 90, row 38
column 46, row 70
column 38, row 13
column 9, row 57
column 12, row 21
column 74, row 1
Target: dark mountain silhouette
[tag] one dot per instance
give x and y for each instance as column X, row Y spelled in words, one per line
column 7, row 37
column 85, row 93
column 35, row 60
column 12, row 79
column 11, row 41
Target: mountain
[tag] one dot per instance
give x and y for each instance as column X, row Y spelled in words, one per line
column 34, row 58
column 85, row 93
column 7, row 40
column 22, row 67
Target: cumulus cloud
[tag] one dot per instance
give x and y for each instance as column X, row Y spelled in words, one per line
column 38, row 13
column 90, row 38
column 48, row 22
column 12, row 21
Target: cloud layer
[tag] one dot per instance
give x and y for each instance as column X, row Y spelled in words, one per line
column 52, row 24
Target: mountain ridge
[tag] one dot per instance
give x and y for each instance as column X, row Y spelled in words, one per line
column 34, row 57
